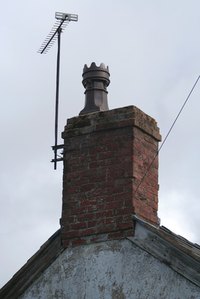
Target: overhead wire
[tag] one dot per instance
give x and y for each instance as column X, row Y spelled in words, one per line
column 166, row 137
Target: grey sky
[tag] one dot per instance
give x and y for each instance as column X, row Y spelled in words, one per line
column 152, row 49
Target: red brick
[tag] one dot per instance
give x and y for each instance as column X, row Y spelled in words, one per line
column 77, row 242
column 102, row 170
column 91, row 224
column 77, row 226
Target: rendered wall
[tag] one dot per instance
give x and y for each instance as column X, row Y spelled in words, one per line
column 112, row 269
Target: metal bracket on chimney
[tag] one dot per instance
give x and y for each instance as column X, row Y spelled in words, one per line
column 59, row 157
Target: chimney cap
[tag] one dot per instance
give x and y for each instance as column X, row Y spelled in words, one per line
column 96, row 73
column 93, row 66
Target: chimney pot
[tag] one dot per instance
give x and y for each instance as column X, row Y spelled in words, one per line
column 95, row 81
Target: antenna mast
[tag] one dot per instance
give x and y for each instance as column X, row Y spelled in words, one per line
column 62, row 20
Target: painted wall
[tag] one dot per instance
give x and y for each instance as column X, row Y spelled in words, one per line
column 112, row 269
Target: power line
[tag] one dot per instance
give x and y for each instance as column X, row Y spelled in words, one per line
column 162, row 144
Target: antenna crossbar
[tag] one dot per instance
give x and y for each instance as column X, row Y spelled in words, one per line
column 62, row 20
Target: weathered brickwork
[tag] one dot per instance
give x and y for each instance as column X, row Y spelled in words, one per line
column 105, row 156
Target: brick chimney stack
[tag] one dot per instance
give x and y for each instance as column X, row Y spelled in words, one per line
column 105, row 156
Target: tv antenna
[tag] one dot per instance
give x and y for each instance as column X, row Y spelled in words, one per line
column 62, row 20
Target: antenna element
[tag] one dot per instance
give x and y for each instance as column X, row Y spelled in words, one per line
column 62, row 20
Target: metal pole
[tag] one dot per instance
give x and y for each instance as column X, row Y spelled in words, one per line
column 57, row 98
column 62, row 19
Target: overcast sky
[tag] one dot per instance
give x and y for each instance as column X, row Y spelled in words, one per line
column 152, row 49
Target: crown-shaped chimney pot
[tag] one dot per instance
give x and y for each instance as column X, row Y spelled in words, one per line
column 95, row 81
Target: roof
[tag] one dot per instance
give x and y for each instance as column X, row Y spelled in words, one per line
column 33, row 268
column 175, row 251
